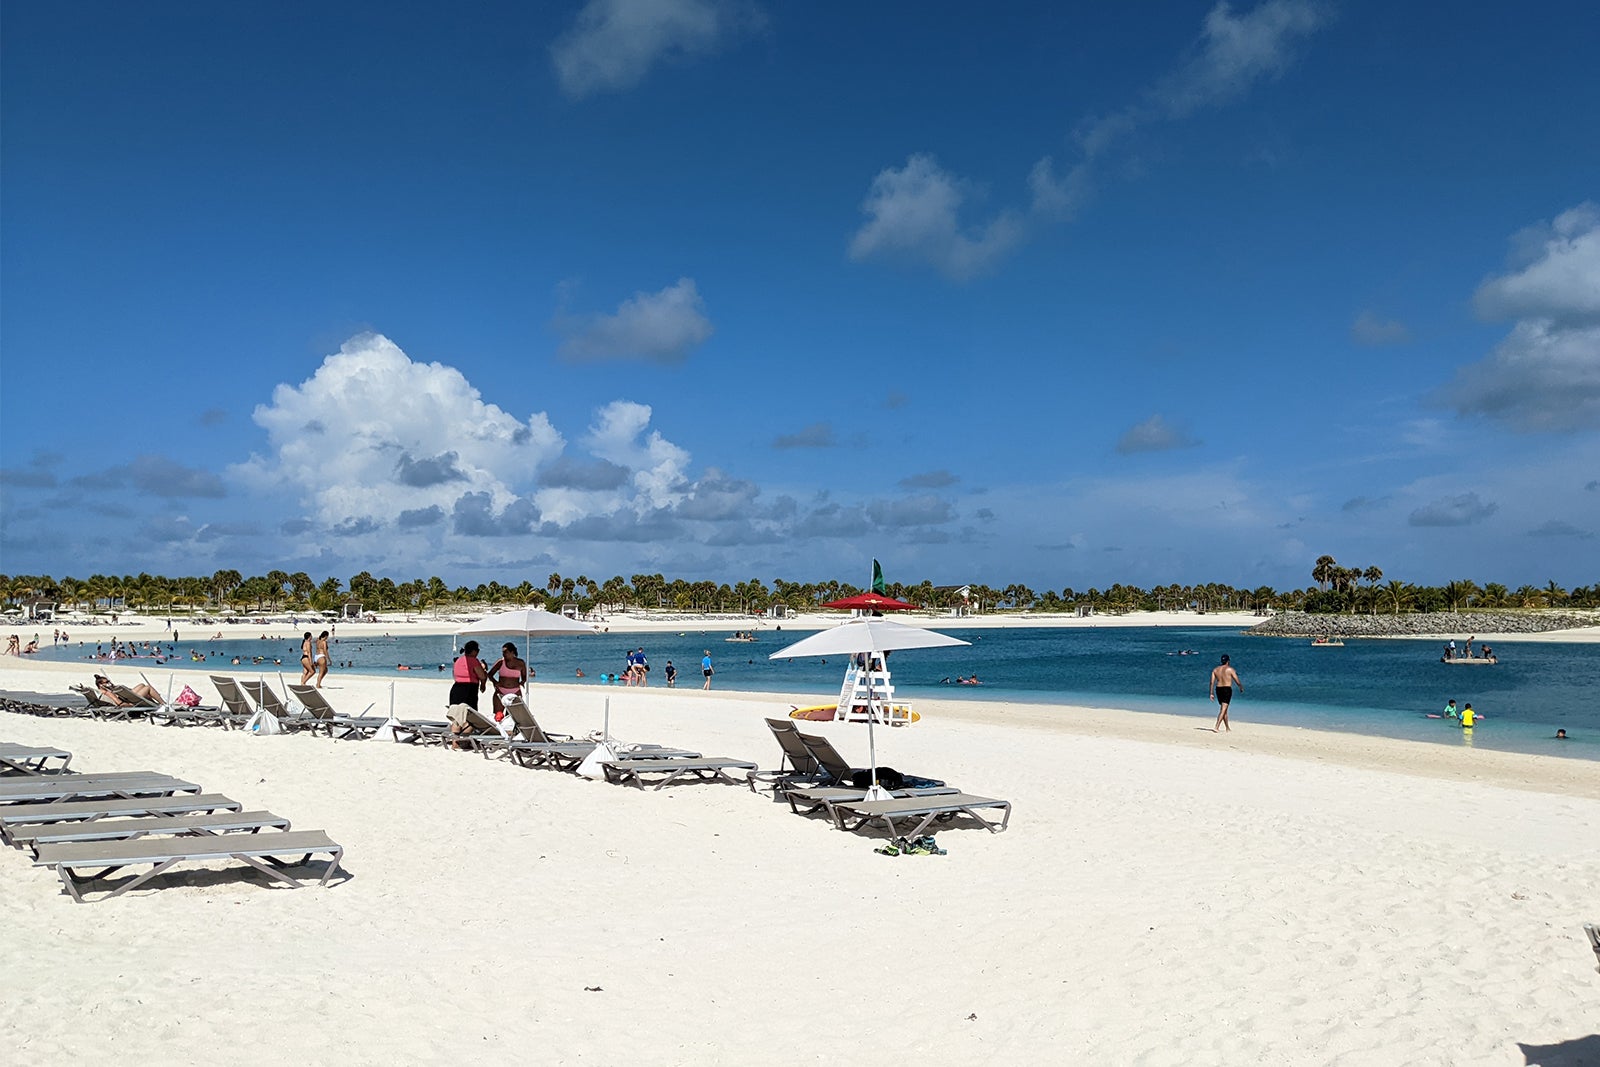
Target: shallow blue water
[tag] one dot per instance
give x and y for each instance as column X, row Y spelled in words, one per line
column 1369, row 686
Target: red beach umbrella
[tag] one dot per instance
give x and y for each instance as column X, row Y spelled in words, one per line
column 871, row 602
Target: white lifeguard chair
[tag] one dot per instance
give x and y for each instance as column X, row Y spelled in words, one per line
column 868, row 696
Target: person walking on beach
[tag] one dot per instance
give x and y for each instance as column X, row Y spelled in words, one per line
column 306, row 667
column 321, row 658
column 1223, row 680
column 705, row 669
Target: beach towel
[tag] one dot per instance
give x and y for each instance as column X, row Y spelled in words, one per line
column 188, row 698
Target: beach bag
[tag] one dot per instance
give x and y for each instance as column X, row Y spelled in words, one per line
column 590, row 767
column 188, row 698
column 263, row 724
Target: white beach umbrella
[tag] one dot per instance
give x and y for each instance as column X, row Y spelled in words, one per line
column 868, row 635
column 530, row 622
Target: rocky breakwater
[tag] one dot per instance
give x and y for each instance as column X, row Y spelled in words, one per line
column 1441, row 624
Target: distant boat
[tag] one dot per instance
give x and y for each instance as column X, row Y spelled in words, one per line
column 1327, row 642
column 1470, row 661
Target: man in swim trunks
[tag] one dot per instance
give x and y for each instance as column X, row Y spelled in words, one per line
column 1223, row 680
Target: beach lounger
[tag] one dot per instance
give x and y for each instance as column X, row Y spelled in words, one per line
column 827, row 798
column 166, row 713
column 236, row 710
column 324, row 717
column 226, row 822
column 56, row 788
column 421, row 731
column 267, row 700
column 83, row 862
column 899, row 813
column 14, row 817
column 835, row 771
column 133, row 705
column 632, row 771
column 27, row 760
column 796, row 765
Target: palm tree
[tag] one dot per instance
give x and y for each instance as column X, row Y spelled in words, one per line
column 1400, row 594
column 1555, row 593
column 1324, row 571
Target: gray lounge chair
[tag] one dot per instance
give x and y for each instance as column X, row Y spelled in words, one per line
column 264, row 852
column 826, row 798
column 925, row 810
column 167, row 713
column 59, row 788
column 236, row 710
column 28, row 760
column 267, row 700
column 1594, row 939
column 835, row 771
column 14, row 817
column 632, row 771
column 796, row 765
column 226, row 822
column 324, row 717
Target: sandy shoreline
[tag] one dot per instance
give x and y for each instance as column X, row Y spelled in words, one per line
column 1164, row 896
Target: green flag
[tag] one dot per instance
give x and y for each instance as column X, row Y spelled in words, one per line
column 877, row 580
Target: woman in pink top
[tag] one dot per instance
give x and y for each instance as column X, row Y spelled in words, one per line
column 509, row 675
column 469, row 679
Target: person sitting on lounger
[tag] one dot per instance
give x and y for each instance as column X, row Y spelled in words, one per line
column 509, row 675
column 142, row 690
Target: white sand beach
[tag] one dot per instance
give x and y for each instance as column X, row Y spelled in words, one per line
column 1164, row 895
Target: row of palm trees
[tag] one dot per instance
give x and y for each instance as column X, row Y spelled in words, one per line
column 1336, row 589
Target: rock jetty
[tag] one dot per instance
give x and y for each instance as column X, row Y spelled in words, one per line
column 1441, row 623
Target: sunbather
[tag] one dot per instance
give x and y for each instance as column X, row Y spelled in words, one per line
column 142, row 690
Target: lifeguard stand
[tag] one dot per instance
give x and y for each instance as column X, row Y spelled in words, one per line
column 854, row 703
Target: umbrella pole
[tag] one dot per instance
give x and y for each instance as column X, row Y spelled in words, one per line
column 874, row 792
column 606, row 733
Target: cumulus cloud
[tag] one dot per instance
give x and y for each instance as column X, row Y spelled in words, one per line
column 922, row 510
column 817, row 435
column 373, row 434
column 157, row 475
column 1357, row 504
column 939, row 479
column 432, row 470
column 661, row 327
column 1372, row 330
column 1461, row 510
column 913, row 214
column 618, row 435
column 1560, row 528
column 475, row 515
column 1545, row 375
column 717, row 497
column 569, row 472
column 417, row 518
column 613, row 44
column 1155, row 434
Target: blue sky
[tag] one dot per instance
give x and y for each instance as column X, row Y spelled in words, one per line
column 1062, row 294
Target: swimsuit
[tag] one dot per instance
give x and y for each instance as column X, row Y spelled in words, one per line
column 509, row 680
column 1224, row 694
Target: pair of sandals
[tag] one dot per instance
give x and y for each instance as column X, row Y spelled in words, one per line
column 916, row 846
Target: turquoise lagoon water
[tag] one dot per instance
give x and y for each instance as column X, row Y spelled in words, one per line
column 1377, row 687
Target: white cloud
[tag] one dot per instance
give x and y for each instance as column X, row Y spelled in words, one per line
column 613, row 44
column 660, row 327
column 618, row 435
column 913, row 214
column 1155, row 434
column 1372, row 330
column 1545, row 374
column 1462, row 509
column 373, row 434
column 1234, row 52
column 1561, row 281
